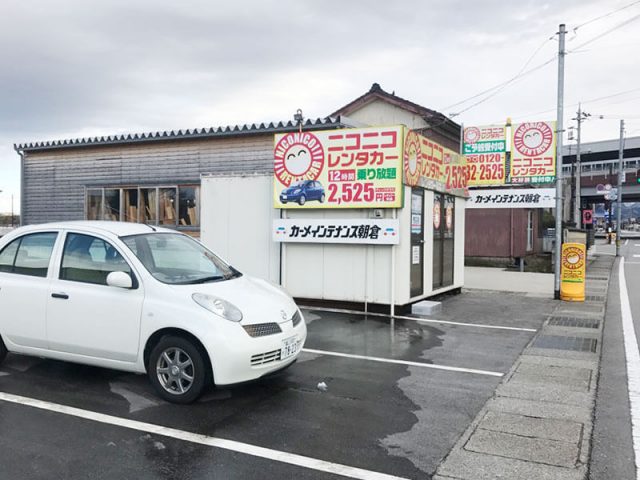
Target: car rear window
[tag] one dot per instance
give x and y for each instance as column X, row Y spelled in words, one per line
column 29, row 254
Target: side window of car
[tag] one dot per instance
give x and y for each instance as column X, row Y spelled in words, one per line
column 90, row 259
column 29, row 254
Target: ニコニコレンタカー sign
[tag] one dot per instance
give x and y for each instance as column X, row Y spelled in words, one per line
column 351, row 168
column 533, row 152
column 429, row 165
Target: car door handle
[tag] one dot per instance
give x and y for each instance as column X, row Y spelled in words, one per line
column 63, row 296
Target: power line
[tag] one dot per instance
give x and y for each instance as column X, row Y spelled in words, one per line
column 503, row 86
column 592, row 100
column 606, row 15
column 607, row 32
column 493, row 91
column 521, row 73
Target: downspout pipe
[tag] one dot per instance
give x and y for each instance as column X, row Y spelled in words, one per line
column 21, row 153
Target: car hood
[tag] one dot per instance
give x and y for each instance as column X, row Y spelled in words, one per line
column 291, row 189
column 258, row 300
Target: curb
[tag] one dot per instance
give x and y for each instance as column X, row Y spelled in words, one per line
column 538, row 423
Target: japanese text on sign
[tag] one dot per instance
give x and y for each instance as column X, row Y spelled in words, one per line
column 428, row 164
column 361, row 231
column 512, row 198
column 533, row 155
column 353, row 168
column 485, row 148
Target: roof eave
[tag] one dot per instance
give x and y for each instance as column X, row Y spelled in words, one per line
column 189, row 134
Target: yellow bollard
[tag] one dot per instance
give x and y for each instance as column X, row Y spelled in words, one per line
column 573, row 272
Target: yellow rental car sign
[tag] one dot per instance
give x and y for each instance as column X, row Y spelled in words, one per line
column 573, row 272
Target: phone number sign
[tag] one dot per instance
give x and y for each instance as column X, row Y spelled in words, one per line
column 485, row 147
column 351, row 168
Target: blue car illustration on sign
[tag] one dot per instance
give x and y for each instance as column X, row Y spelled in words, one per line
column 303, row 191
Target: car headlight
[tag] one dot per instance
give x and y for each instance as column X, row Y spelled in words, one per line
column 220, row 307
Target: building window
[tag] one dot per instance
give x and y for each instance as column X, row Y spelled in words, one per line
column 94, row 204
column 187, row 211
column 130, row 210
column 148, row 206
column 168, row 206
column 112, row 204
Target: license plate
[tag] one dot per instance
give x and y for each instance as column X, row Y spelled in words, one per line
column 289, row 347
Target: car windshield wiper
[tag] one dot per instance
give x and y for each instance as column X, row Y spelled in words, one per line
column 214, row 278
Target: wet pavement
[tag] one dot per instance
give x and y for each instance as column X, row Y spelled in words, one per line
column 398, row 419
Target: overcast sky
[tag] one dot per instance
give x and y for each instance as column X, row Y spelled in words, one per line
column 71, row 68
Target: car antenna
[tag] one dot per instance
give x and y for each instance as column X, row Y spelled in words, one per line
column 151, row 227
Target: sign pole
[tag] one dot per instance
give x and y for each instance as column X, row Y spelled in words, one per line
column 619, row 200
column 576, row 214
column 560, row 113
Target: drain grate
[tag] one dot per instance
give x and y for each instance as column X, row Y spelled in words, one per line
column 594, row 298
column 574, row 322
column 591, row 277
column 577, row 344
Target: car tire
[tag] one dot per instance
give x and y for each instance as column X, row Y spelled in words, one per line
column 322, row 198
column 177, row 369
column 284, row 202
column 3, row 350
column 302, row 200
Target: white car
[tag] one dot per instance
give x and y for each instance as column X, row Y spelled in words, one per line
column 143, row 299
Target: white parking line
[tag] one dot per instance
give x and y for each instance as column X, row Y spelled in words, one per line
column 626, row 242
column 633, row 364
column 405, row 362
column 416, row 319
column 248, row 449
column 636, row 244
column 636, row 256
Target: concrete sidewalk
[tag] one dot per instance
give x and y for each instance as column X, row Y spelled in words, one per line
column 487, row 278
column 538, row 423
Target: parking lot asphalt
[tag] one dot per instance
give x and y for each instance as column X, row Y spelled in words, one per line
column 375, row 417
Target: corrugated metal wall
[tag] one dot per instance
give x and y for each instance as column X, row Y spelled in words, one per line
column 54, row 180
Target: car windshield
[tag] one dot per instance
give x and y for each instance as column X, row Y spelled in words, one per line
column 299, row 183
column 178, row 259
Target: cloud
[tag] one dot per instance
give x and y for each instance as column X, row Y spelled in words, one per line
column 75, row 67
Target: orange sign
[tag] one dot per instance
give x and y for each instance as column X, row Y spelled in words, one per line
column 428, row 164
column 573, row 272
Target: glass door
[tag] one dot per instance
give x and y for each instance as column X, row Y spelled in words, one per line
column 417, row 242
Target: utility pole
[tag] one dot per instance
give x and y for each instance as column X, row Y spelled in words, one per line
column 619, row 201
column 576, row 209
column 559, row 132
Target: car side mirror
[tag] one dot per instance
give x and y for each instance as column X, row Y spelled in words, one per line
column 119, row 279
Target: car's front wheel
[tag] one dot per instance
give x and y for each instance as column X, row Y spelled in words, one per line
column 3, row 350
column 302, row 200
column 177, row 369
